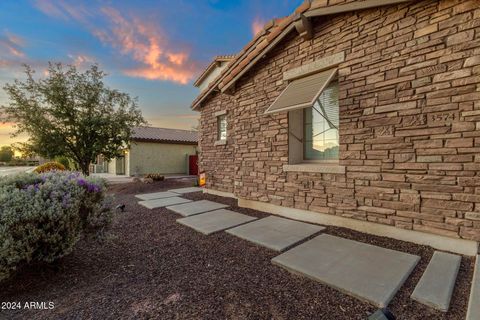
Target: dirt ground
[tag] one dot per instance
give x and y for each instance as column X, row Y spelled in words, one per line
column 150, row 267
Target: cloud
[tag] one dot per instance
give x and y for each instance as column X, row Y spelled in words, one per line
column 257, row 25
column 63, row 10
column 147, row 45
column 155, row 56
column 81, row 60
column 11, row 45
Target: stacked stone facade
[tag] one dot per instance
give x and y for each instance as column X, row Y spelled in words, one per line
column 409, row 121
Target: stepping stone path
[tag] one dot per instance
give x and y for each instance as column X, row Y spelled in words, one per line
column 365, row 271
column 436, row 284
column 275, row 233
column 186, row 190
column 196, row 207
column 165, row 202
column 362, row 270
column 156, row 195
column 473, row 312
column 214, row 221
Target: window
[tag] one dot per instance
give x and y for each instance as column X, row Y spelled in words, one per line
column 222, row 127
column 320, row 127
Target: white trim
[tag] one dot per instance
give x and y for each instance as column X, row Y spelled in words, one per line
column 461, row 246
column 219, row 193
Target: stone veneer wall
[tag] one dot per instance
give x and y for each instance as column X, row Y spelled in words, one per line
column 410, row 121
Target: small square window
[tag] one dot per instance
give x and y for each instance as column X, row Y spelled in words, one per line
column 320, row 125
column 222, row 127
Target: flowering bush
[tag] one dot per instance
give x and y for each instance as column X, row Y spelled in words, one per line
column 43, row 216
column 49, row 166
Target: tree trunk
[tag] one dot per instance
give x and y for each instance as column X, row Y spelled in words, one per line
column 84, row 167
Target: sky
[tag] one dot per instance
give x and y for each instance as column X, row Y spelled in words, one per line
column 151, row 49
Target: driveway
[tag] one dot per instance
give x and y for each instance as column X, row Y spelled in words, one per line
column 5, row 171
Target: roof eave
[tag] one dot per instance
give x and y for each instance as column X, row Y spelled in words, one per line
column 284, row 33
column 164, row 141
column 314, row 12
column 351, row 6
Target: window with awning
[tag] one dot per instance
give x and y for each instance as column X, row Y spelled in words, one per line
column 314, row 100
column 303, row 92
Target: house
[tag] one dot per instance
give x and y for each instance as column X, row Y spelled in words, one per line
column 155, row 150
column 363, row 114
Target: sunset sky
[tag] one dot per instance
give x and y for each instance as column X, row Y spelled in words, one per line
column 151, row 49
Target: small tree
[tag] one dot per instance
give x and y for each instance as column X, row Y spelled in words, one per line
column 72, row 114
column 6, row 154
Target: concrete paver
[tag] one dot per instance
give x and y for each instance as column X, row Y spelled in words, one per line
column 165, row 202
column 196, row 207
column 436, row 284
column 213, row 221
column 156, row 195
column 473, row 311
column 362, row 270
column 186, row 190
column 275, row 233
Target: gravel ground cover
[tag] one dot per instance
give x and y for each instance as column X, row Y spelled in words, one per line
column 150, row 267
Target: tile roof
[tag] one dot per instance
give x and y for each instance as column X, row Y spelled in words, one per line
column 277, row 28
column 164, row 135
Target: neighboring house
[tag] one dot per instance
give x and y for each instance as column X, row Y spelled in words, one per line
column 363, row 114
column 155, row 150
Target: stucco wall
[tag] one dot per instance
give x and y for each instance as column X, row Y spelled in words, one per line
column 409, row 121
column 111, row 166
column 215, row 72
column 148, row 157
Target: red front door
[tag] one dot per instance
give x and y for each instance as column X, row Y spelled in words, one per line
column 193, row 165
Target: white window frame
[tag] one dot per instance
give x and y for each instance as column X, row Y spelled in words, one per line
column 219, row 115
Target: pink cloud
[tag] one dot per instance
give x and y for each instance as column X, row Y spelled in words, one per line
column 257, row 25
column 157, row 57
column 148, row 46
column 81, row 60
column 63, row 10
column 12, row 45
column 50, row 9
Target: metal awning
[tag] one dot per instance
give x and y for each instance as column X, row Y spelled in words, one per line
column 303, row 92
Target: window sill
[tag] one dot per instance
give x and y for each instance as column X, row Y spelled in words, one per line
column 220, row 142
column 314, row 167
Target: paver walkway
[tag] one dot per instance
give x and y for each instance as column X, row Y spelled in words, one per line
column 186, row 190
column 473, row 312
column 156, row 195
column 365, row 271
column 196, row 207
column 362, row 270
column 214, row 221
column 436, row 284
column 275, row 233
column 165, row 202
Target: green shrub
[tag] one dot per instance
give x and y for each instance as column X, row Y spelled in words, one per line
column 155, row 177
column 42, row 217
column 64, row 161
column 49, row 166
